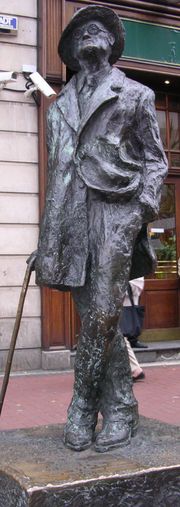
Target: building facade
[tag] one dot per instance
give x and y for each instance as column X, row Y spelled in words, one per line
column 19, row 187
column 50, row 324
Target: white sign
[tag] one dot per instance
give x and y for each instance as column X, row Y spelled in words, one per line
column 8, row 24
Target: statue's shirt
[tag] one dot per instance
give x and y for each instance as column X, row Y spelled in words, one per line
column 87, row 84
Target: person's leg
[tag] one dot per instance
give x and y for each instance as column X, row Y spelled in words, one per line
column 136, row 369
column 132, row 358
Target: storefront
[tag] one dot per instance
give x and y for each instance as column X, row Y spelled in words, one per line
column 151, row 56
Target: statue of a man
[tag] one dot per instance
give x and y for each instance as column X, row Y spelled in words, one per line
column 106, row 166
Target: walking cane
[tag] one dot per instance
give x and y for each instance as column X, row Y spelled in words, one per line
column 27, row 276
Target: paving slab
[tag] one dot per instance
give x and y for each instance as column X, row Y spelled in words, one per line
column 36, row 470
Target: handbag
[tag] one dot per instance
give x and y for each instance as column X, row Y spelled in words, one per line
column 132, row 318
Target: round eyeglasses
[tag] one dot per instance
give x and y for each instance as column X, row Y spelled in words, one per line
column 92, row 29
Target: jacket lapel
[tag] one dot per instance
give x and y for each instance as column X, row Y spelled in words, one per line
column 105, row 92
column 68, row 104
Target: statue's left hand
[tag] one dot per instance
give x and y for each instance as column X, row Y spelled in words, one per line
column 149, row 209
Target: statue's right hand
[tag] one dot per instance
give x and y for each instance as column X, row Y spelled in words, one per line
column 31, row 260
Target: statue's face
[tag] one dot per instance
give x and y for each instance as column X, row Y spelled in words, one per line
column 92, row 36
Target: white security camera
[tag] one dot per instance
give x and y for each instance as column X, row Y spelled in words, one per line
column 41, row 85
column 6, row 77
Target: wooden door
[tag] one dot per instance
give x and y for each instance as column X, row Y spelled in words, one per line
column 162, row 290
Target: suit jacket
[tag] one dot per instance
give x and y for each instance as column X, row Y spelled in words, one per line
column 114, row 149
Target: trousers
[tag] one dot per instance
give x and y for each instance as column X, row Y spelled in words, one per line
column 102, row 371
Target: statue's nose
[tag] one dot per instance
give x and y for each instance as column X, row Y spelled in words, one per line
column 86, row 35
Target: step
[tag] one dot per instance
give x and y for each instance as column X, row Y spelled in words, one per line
column 156, row 352
column 159, row 351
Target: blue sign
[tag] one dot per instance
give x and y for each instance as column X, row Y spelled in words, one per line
column 8, row 24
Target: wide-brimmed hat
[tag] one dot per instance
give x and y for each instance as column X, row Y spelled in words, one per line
column 107, row 17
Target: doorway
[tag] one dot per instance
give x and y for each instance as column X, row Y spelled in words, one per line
column 162, row 290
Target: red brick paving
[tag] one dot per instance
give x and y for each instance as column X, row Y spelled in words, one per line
column 159, row 394
column 33, row 400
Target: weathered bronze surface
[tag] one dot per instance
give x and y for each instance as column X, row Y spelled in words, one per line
column 106, row 166
column 37, row 471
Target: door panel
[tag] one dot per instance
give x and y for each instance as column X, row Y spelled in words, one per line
column 161, row 309
column 61, row 321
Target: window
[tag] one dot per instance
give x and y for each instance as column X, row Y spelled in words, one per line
column 168, row 115
column 163, row 235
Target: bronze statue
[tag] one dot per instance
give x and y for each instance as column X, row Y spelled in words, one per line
column 106, row 166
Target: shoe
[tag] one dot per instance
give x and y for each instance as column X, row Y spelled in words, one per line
column 78, row 437
column 81, row 422
column 141, row 376
column 114, row 434
column 139, row 345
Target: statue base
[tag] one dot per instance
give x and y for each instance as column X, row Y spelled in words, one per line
column 37, row 470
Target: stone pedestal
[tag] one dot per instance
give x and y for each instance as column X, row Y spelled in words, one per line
column 37, row 471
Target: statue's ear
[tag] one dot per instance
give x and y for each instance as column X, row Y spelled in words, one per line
column 111, row 39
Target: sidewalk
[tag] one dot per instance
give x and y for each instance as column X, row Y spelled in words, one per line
column 42, row 398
